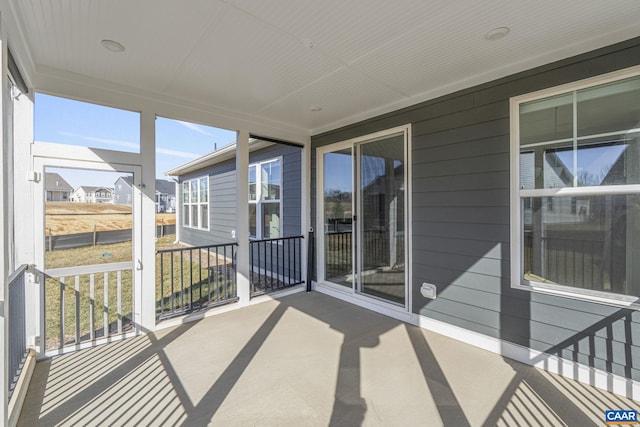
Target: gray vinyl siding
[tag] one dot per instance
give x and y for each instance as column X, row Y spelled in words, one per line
column 460, row 231
column 222, row 196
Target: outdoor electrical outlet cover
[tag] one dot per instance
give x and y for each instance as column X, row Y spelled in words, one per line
column 428, row 290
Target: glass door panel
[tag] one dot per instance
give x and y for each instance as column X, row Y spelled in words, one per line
column 381, row 218
column 338, row 213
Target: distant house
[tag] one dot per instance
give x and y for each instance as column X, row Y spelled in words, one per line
column 165, row 196
column 57, row 189
column 122, row 190
column 87, row 194
column 165, row 193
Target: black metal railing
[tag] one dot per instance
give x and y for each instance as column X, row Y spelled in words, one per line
column 195, row 278
column 585, row 260
column 275, row 264
column 17, row 342
column 338, row 256
column 375, row 248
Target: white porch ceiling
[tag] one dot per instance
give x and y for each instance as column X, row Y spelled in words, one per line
column 247, row 57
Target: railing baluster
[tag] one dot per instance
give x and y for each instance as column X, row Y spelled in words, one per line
column 77, row 302
column 16, row 350
column 106, row 304
column 190, row 290
column 62, row 340
column 119, row 301
column 270, row 265
column 251, row 267
column 226, row 274
column 199, row 276
column 262, row 271
column 182, row 280
column 216, row 276
column 161, row 285
column 208, row 275
column 92, row 302
column 173, row 302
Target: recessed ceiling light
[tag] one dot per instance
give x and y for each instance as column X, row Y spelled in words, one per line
column 315, row 108
column 113, row 45
column 497, row 33
column 308, row 43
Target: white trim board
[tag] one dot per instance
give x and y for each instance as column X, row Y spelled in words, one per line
column 20, row 392
column 566, row 368
column 379, row 306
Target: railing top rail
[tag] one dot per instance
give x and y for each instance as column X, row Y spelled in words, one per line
column 276, row 239
column 16, row 274
column 89, row 269
column 190, row 248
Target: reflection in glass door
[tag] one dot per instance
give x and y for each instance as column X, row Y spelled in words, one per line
column 338, row 213
column 381, row 218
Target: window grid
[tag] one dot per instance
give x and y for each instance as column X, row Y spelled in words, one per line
column 195, row 203
column 576, row 195
column 265, row 192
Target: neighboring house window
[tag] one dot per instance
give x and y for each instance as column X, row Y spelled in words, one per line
column 195, row 203
column 576, row 189
column 265, row 209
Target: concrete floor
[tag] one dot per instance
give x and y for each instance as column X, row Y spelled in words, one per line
column 304, row 360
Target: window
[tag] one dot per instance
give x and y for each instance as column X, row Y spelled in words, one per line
column 576, row 189
column 195, row 203
column 265, row 209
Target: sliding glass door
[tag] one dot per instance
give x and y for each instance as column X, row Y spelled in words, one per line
column 380, row 220
column 363, row 214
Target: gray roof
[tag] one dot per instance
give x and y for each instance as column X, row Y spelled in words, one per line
column 225, row 153
column 127, row 180
column 162, row 185
column 54, row 182
column 165, row 187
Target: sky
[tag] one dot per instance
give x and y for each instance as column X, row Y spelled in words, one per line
column 595, row 161
column 71, row 122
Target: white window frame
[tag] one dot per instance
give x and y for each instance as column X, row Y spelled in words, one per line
column 196, row 204
column 516, row 194
column 259, row 202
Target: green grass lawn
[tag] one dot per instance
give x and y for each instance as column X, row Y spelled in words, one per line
column 192, row 280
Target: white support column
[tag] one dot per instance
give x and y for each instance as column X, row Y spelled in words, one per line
column 24, row 202
column 4, row 229
column 242, row 215
column 305, row 208
column 178, row 210
column 145, row 232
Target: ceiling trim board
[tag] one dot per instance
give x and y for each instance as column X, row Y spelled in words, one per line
column 83, row 88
